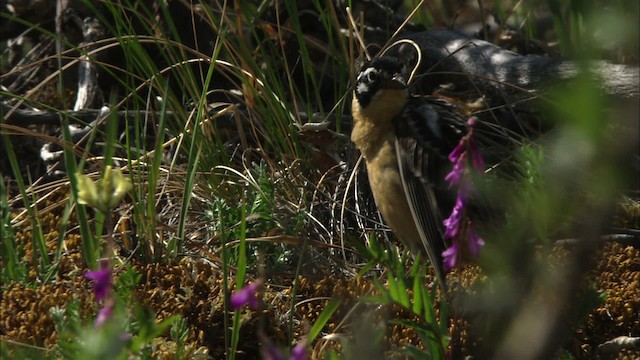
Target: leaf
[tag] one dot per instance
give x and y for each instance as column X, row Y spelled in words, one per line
column 323, row 318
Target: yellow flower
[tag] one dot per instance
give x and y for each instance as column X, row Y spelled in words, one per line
column 106, row 193
column 87, row 190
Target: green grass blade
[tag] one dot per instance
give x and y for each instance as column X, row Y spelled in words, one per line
column 89, row 242
column 322, row 319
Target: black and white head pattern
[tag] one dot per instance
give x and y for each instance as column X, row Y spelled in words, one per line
column 376, row 75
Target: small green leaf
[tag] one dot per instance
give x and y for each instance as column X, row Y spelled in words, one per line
column 323, row 318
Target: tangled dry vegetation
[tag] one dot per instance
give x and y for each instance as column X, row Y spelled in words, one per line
column 193, row 289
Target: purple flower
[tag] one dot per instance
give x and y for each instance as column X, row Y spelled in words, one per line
column 104, row 314
column 450, row 256
column 467, row 148
column 101, row 280
column 456, row 173
column 246, row 296
column 474, row 241
column 271, row 352
column 452, row 224
column 299, row 352
column 458, row 230
column 454, row 156
column 457, row 227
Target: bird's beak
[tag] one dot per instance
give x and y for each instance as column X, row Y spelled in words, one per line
column 396, row 82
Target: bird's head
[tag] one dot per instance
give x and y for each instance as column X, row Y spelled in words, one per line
column 381, row 87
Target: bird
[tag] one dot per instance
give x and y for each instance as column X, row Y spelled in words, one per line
column 405, row 140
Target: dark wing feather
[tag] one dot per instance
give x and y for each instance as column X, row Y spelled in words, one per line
column 426, row 132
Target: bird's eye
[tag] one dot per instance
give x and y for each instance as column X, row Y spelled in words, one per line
column 372, row 76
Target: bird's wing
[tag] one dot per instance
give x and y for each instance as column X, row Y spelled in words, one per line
column 426, row 132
